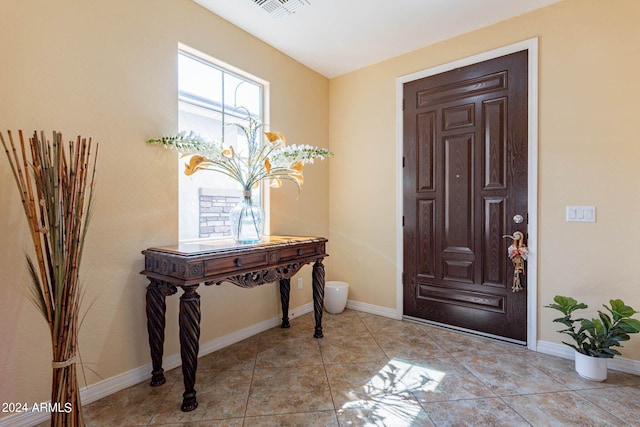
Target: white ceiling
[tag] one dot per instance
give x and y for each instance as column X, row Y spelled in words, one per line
column 334, row 37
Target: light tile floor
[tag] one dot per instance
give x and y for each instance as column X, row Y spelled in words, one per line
column 373, row 371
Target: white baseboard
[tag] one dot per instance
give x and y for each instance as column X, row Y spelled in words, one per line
column 621, row 364
column 373, row 309
column 135, row 376
column 24, row 419
column 554, row 349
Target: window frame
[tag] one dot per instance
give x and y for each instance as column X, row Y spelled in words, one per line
column 193, row 100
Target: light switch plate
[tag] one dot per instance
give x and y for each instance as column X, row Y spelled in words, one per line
column 581, row 214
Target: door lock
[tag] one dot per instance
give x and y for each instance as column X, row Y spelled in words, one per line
column 518, row 219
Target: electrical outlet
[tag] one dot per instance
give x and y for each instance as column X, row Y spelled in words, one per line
column 299, row 283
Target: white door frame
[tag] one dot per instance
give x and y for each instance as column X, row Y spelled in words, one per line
column 531, row 45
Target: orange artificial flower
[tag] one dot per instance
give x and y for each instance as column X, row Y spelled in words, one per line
column 276, row 183
column 275, row 136
column 298, row 177
column 297, row 166
column 229, row 153
column 195, row 163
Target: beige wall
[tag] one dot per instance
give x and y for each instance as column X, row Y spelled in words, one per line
column 107, row 69
column 589, row 53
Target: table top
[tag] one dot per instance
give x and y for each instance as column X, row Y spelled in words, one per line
column 214, row 260
column 204, row 247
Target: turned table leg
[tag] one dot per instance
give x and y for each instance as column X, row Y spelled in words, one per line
column 156, row 308
column 285, row 291
column 318, row 296
column 189, row 322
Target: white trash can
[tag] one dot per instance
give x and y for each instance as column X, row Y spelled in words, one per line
column 335, row 296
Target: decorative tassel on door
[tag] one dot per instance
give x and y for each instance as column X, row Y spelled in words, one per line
column 518, row 253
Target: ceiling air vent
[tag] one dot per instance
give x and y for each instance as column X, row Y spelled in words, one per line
column 281, row 8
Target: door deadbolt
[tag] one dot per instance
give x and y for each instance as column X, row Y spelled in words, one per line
column 518, row 219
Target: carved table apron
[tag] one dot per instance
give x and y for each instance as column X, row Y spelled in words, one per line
column 187, row 265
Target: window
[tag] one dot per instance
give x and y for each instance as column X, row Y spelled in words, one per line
column 210, row 98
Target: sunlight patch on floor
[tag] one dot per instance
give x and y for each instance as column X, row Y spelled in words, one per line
column 386, row 398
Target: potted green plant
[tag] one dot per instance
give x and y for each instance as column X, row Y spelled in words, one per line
column 594, row 338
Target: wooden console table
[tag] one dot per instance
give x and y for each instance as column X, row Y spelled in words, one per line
column 213, row 262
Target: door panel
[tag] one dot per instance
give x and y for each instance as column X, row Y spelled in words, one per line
column 465, row 177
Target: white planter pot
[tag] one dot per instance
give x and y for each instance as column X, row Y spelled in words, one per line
column 591, row 368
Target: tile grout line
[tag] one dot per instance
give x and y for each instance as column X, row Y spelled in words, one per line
column 514, row 410
column 455, row 359
column 373, row 336
column 253, row 374
column 326, row 376
column 597, row 405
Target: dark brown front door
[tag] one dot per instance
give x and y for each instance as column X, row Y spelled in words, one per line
column 465, row 178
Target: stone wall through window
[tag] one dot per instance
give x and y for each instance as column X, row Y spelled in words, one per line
column 215, row 205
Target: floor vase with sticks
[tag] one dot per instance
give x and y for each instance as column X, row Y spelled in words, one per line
column 56, row 182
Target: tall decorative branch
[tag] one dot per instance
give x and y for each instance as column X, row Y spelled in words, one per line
column 56, row 188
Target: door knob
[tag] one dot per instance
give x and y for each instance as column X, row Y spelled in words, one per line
column 518, row 219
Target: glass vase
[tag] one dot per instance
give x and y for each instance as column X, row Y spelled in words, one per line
column 247, row 220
